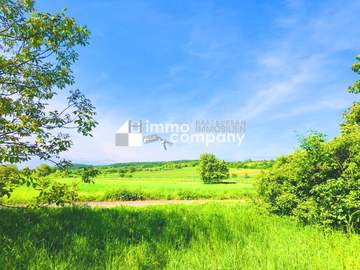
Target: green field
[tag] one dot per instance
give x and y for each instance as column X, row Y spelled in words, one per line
column 214, row 235
column 183, row 183
column 211, row 236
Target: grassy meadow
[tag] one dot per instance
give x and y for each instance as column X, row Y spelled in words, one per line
column 177, row 183
column 213, row 235
column 210, row 236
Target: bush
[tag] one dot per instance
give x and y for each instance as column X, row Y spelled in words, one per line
column 318, row 183
column 88, row 174
column 125, row 195
column 9, row 179
column 211, row 169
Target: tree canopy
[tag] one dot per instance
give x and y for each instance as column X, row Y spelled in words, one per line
column 37, row 50
column 211, row 169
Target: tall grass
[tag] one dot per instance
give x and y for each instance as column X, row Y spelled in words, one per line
column 211, row 236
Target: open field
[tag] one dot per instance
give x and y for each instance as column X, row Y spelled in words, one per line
column 183, row 183
column 167, row 233
column 211, row 236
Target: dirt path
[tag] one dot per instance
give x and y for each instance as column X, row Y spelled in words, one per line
column 110, row 204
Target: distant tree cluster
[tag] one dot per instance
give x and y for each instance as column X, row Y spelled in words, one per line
column 252, row 164
column 320, row 181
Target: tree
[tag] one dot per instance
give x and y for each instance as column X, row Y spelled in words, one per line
column 37, row 51
column 43, row 169
column 320, row 181
column 212, row 170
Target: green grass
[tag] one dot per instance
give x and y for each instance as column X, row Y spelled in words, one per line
column 211, row 236
column 183, row 183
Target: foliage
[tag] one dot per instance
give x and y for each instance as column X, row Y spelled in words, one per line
column 211, row 169
column 37, row 51
column 320, row 181
column 44, row 170
column 252, row 164
column 125, row 195
column 210, row 236
column 55, row 193
column 89, row 174
column 11, row 177
column 35, row 61
column 355, row 87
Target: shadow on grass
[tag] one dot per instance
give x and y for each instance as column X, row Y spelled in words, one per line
column 87, row 238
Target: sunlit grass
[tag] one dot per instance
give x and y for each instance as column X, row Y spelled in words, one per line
column 183, row 183
column 211, row 236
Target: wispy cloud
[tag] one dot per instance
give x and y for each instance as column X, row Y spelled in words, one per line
column 278, row 92
column 216, row 62
column 312, row 107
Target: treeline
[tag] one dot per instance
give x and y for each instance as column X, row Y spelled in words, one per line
column 124, row 169
column 252, row 164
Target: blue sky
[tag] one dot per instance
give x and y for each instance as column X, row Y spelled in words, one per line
column 283, row 66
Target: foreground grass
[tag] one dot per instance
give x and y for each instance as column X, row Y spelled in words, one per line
column 173, row 184
column 212, row 236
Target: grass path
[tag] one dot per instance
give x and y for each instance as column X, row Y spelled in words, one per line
column 112, row 204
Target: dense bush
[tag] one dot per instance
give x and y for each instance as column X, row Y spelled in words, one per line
column 211, row 169
column 320, row 181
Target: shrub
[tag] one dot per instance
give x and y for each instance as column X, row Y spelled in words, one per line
column 125, row 195
column 9, row 179
column 211, row 169
column 318, row 183
column 88, row 174
column 121, row 171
